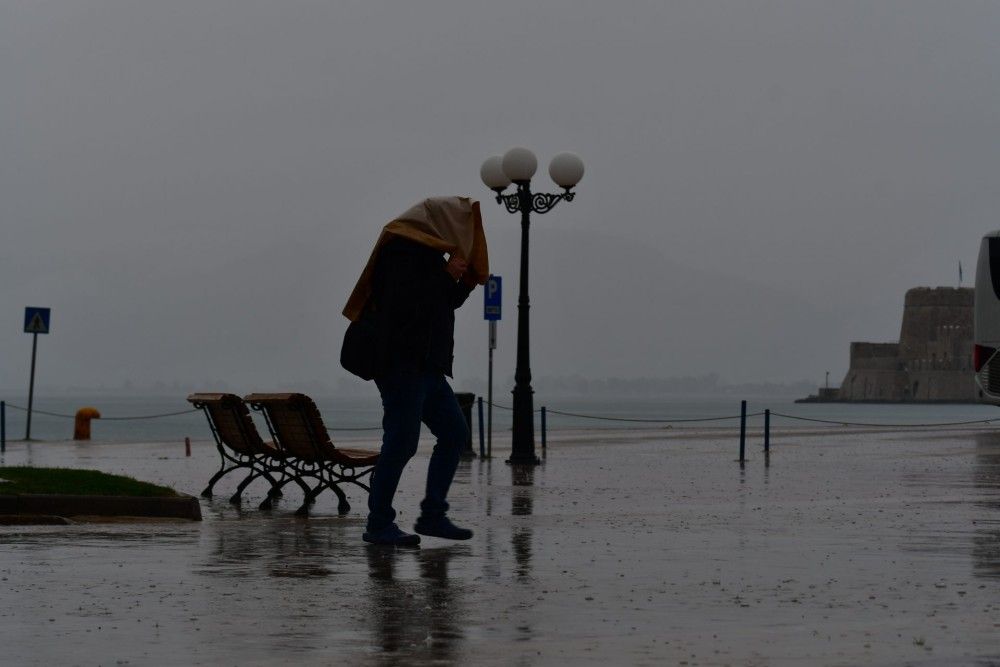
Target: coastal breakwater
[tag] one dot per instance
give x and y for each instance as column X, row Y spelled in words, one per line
column 932, row 362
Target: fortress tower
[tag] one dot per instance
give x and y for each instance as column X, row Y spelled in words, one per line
column 932, row 360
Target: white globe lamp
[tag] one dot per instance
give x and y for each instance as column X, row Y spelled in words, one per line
column 492, row 174
column 519, row 164
column 566, row 170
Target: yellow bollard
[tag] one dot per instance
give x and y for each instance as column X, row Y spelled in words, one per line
column 81, row 426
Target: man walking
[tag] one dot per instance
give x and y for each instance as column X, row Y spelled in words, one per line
column 412, row 292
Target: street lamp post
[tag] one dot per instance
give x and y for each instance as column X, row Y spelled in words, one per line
column 517, row 166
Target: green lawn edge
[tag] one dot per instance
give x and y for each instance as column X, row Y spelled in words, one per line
column 23, row 480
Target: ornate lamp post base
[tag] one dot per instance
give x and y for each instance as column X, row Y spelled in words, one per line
column 523, row 443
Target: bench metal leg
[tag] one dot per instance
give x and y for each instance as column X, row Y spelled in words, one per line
column 343, row 507
column 309, row 500
column 207, row 493
column 275, row 492
column 237, row 497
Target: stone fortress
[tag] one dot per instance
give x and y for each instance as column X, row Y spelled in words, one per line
column 932, row 362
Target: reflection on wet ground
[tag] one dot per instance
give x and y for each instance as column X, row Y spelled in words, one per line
column 850, row 548
column 986, row 478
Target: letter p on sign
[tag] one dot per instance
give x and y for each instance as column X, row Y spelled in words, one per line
column 492, row 298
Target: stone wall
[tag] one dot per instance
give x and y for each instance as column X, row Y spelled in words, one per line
column 874, row 374
column 931, row 362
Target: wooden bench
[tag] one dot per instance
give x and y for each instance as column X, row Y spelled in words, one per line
column 298, row 430
column 240, row 445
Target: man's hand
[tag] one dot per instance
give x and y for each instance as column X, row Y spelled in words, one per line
column 456, row 267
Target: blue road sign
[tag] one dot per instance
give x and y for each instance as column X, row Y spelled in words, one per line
column 36, row 320
column 491, row 298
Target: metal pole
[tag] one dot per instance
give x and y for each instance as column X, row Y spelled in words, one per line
column 743, row 430
column 482, row 450
column 3, row 426
column 543, row 430
column 767, row 430
column 489, row 394
column 523, row 440
column 31, row 386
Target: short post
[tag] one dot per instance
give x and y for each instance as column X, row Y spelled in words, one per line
column 743, row 430
column 3, row 426
column 187, row 446
column 543, row 430
column 767, row 431
column 482, row 429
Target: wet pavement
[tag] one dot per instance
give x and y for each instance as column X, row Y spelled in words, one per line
column 843, row 548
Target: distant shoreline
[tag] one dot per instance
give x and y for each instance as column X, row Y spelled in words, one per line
column 816, row 399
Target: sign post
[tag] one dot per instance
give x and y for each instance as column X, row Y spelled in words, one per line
column 36, row 321
column 491, row 313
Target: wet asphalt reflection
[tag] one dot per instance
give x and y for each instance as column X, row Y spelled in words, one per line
column 847, row 548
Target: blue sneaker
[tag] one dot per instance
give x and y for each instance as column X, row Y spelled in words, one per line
column 391, row 535
column 441, row 527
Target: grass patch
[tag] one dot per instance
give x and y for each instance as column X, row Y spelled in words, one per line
column 71, row 481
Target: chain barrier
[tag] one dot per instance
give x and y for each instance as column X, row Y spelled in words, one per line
column 577, row 415
column 648, row 421
column 65, row 416
column 836, row 422
column 874, row 425
column 164, row 414
column 551, row 411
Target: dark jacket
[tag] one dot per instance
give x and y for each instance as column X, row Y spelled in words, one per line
column 414, row 301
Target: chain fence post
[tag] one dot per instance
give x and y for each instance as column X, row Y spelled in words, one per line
column 767, row 431
column 743, row 431
column 482, row 437
column 543, row 430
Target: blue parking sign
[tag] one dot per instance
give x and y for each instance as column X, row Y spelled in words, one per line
column 491, row 298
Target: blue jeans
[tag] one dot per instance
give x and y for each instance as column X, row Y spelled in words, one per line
column 409, row 397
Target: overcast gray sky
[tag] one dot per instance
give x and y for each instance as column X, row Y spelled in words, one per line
column 194, row 185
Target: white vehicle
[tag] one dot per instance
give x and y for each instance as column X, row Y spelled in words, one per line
column 986, row 320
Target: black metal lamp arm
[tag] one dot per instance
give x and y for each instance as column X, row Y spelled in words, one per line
column 541, row 202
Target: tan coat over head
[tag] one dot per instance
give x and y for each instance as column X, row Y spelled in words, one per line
column 449, row 224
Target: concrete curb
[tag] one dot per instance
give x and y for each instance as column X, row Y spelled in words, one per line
column 180, row 507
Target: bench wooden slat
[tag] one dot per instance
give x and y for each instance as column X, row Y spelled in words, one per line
column 299, row 428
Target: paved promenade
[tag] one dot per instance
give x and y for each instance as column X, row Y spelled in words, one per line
column 625, row 548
